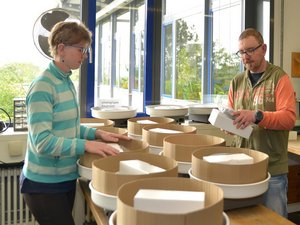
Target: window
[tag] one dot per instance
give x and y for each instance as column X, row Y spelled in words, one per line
column 198, row 45
column 120, row 56
column 198, row 41
column 20, row 61
column 167, row 65
column 138, row 23
column 103, row 57
column 227, row 27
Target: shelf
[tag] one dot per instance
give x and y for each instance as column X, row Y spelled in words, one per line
column 20, row 115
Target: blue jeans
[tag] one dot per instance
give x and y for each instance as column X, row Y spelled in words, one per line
column 276, row 196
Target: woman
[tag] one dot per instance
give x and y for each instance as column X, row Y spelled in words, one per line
column 55, row 137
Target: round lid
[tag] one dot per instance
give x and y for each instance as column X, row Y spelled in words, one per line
column 166, row 110
column 121, row 112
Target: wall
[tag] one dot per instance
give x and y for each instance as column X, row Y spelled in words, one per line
column 287, row 35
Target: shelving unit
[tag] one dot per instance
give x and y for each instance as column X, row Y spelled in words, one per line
column 20, row 116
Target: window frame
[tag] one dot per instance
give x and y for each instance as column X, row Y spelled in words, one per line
column 152, row 70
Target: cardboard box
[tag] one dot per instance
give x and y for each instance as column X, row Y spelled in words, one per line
column 168, row 201
column 132, row 146
column 115, row 130
column 208, row 129
column 133, row 166
column 105, row 178
column 211, row 213
column 230, row 174
column 97, row 123
column 222, row 121
column 181, row 146
column 156, row 138
column 135, row 125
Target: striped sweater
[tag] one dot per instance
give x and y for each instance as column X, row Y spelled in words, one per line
column 55, row 137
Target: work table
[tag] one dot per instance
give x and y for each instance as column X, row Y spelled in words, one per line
column 294, row 146
column 258, row 214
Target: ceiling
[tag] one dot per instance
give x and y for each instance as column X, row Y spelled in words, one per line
column 74, row 5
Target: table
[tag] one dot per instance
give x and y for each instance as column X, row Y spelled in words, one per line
column 98, row 213
column 294, row 146
column 258, row 214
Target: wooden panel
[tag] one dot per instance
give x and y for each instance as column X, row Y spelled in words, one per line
column 294, row 184
column 295, row 71
column 256, row 215
column 98, row 213
column 294, row 146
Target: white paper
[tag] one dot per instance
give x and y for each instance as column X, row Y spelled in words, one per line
column 138, row 167
column 232, row 159
column 165, row 131
column 146, row 122
column 220, row 120
column 116, row 146
column 169, row 201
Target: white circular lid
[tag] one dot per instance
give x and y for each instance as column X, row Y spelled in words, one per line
column 183, row 167
column 202, row 109
column 240, row 191
column 84, row 171
column 121, row 112
column 103, row 200
column 166, row 110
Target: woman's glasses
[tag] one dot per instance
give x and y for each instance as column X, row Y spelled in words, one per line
column 83, row 50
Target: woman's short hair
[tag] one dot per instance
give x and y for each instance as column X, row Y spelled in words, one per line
column 68, row 33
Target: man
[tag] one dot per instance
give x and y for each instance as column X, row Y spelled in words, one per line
column 263, row 97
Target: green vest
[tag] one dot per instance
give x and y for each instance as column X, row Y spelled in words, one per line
column 262, row 96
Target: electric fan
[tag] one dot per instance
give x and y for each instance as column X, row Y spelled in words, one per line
column 43, row 26
column 3, row 125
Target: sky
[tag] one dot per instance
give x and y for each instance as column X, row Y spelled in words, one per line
column 16, row 20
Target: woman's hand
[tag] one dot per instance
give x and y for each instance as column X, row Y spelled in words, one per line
column 110, row 137
column 100, row 148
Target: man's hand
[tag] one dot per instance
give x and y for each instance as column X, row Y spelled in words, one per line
column 243, row 118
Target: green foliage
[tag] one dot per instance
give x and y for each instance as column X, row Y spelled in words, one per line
column 225, row 66
column 188, row 62
column 106, row 79
column 189, row 65
column 188, row 82
column 168, row 87
column 124, row 82
column 15, row 79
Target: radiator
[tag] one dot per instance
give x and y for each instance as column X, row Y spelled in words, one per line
column 13, row 210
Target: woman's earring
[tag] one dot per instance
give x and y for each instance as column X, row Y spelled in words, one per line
column 62, row 59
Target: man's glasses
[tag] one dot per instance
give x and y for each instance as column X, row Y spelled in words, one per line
column 248, row 52
column 82, row 49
